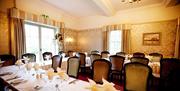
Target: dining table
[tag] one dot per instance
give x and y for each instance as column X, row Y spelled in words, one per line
column 21, row 79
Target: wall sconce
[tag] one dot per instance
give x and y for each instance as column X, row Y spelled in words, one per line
column 69, row 40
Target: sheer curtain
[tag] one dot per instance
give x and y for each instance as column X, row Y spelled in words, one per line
column 177, row 44
column 125, row 39
column 17, row 37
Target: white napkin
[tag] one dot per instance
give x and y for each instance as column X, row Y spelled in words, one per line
column 19, row 62
column 106, row 86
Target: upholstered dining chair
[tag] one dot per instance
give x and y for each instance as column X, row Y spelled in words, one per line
column 47, row 56
column 123, row 54
column 9, row 59
column 105, row 54
column 117, row 66
column 101, row 69
column 169, row 68
column 137, row 77
column 94, row 57
column 95, row 52
column 30, row 56
column 73, row 65
column 138, row 54
column 155, row 57
column 140, row 60
column 70, row 53
column 82, row 57
column 56, row 62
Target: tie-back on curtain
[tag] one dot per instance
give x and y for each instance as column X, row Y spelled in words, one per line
column 177, row 44
column 17, row 37
column 125, row 28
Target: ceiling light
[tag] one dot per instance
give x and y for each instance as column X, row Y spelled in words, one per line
column 130, row 1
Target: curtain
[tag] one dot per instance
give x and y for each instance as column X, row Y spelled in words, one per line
column 17, row 37
column 177, row 43
column 126, row 41
column 125, row 28
column 61, row 42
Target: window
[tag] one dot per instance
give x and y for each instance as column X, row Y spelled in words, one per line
column 39, row 39
column 115, row 40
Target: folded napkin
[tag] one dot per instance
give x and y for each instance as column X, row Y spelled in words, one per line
column 19, row 62
column 50, row 73
column 62, row 74
column 106, row 86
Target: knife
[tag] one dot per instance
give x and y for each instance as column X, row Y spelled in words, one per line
column 73, row 81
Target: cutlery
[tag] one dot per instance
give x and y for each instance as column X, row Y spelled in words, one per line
column 13, row 78
column 7, row 73
column 73, row 81
column 18, row 82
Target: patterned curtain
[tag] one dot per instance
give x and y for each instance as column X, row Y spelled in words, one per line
column 17, row 37
column 177, row 43
column 125, row 28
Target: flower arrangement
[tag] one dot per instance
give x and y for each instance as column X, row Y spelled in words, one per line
column 58, row 36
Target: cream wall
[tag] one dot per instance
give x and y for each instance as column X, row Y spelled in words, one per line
column 144, row 14
column 89, row 40
column 40, row 7
column 167, row 31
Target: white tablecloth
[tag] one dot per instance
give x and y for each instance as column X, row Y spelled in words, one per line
column 44, row 82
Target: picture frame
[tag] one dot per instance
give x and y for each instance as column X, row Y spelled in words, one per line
column 153, row 39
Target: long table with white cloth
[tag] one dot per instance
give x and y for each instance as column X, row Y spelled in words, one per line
column 28, row 81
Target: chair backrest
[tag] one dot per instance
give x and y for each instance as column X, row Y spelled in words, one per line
column 105, row 54
column 138, row 54
column 95, row 52
column 9, row 59
column 94, row 57
column 47, row 56
column 70, row 53
column 117, row 62
column 101, row 69
column 73, row 66
column 121, row 54
column 56, row 62
column 140, row 60
column 155, row 57
column 137, row 77
column 60, row 52
column 30, row 56
column 168, row 67
column 82, row 57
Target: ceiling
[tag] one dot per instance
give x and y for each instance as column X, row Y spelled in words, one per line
column 84, row 8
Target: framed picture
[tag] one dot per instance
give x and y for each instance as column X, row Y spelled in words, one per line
column 151, row 38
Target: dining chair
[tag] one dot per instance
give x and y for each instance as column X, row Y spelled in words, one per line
column 47, row 56
column 56, row 62
column 8, row 59
column 138, row 54
column 155, row 57
column 140, row 60
column 117, row 66
column 73, row 65
column 101, row 69
column 169, row 74
column 94, row 57
column 123, row 54
column 82, row 57
column 95, row 52
column 70, row 54
column 105, row 54
column 137, row 77
column 30, row 56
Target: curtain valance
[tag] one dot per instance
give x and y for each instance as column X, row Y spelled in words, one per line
column 16, row 13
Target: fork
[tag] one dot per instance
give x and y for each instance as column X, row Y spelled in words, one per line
column 13, row 78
